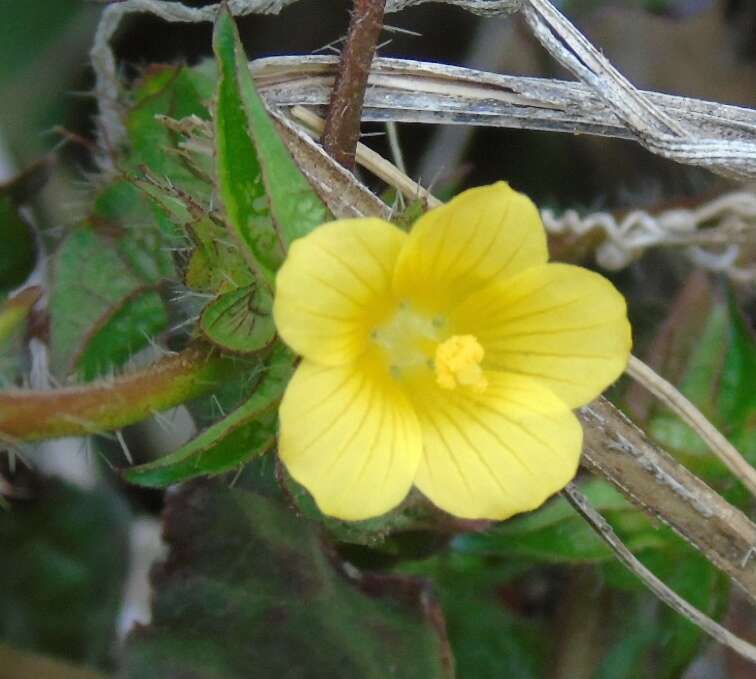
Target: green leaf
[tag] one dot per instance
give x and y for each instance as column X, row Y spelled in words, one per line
column 215, row 264
column 556, row 534
column 248, row 432
column 295, row 206
column 489, row 639
column 411, row 213
column 97, row 298
column 247, row 591
column 41, row 44
column 644, row 628
column 702, row 585
column 632, row 638
column 18, row 249
column 45, row 23
column 144, row 233
column 65, row 556
column 177, row 92
column 240, row 321
column 13, row 315
column 125, row 332
column 737, row 396
column 239, row 176
column 719, row 371
column 370, row 532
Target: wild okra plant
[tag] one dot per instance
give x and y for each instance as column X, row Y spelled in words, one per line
column 377, row 393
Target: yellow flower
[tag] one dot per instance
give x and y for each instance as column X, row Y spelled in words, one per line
column 448, row 358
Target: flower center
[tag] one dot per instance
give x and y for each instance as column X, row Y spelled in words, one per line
column 409, row 339
column 458, row 363
column 415, row 343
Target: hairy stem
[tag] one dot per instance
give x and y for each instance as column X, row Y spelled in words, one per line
column 342, row 130
column 106, row 405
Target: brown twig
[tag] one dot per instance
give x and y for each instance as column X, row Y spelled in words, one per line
column 345, row 109
column 620, row 452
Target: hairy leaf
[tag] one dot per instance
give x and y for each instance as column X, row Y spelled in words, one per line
column 142, row 232
column 100, row 309
column 247, row 591
column 240, row 321
column 295, row 206
column 239, row 176
column 177, row 92
column 125, row 332
column 216, row 264
column 246, row 433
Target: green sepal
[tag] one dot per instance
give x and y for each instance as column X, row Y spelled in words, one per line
column 240, row 321
column 248, row 432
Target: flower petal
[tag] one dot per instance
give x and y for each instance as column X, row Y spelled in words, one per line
column 482, row 234
column 494, row 454
column 561, row 324
column 351, row 437
column 334, row 286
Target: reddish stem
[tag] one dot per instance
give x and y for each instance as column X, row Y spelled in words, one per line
column 342, row 130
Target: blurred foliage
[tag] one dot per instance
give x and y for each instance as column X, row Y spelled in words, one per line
column 18, row 254
column 63, row 571
column 247, row 585
column 489, row 635
column 718, row 375
column 257, row 577
column 42, row 48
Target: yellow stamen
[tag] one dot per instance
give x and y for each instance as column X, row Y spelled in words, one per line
column 458, row 363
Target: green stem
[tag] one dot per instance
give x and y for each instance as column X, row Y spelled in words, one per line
column 107, row 405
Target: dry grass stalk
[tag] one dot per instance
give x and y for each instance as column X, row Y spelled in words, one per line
column 693, row 417
column 664, row 593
